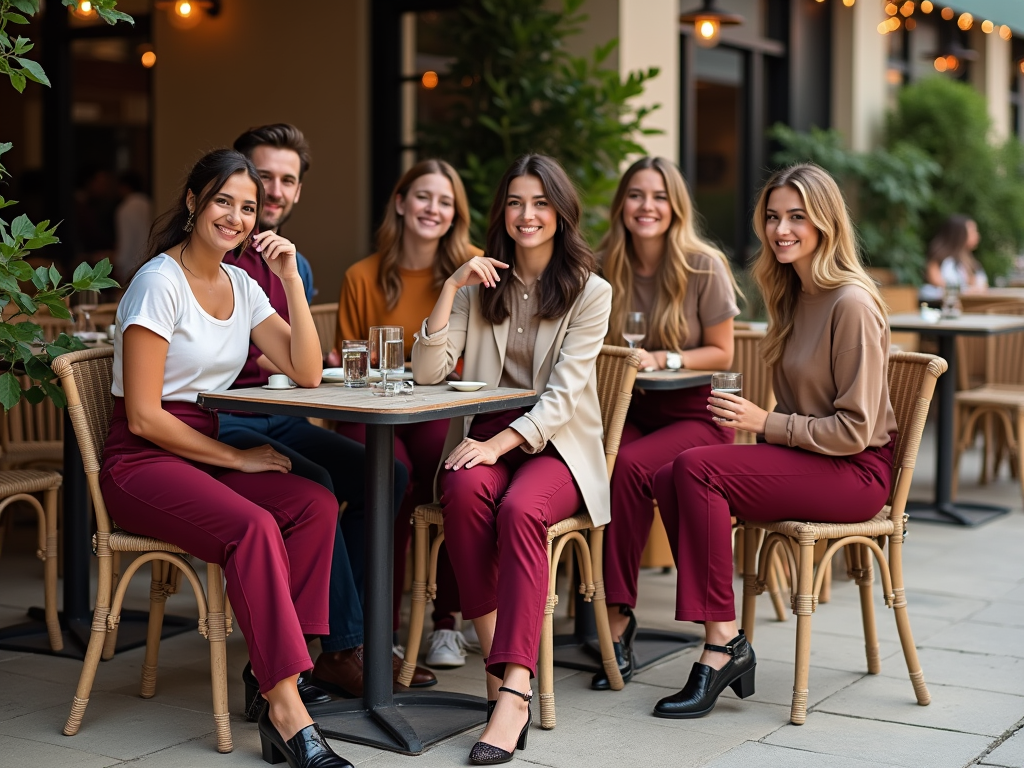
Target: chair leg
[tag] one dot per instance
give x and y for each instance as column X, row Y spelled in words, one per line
column 418, row 604
column 899, row 608
column 1018, row 448
column 960, row 441
column 110, row 642
column 861, row 567
column 50, row 571
column 157, row 604
column 604, row 632
column 987, row 446
column 545, row 667
column 776, row 578
column 217, row 635
column 803, row 608
column 751, row 543
column 826, row 585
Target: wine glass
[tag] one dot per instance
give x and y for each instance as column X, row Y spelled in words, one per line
column 88, row 301
column 635, row 329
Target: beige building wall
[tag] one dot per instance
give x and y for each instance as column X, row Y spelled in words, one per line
column 990, row 74
column 259, row 63
column 858, row 74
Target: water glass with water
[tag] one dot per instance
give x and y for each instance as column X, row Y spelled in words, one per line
column 635, row 328
column 355, row 362
column 387, row 357
column 727, row 382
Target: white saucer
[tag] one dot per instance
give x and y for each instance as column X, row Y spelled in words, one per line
column 467, row 386
column 333, row 375
column 290, row 386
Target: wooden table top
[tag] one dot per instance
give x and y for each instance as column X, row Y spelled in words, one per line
column 968, row 324
column 338, row 402
column 681, row 379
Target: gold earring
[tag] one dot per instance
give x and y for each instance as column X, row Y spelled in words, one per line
column 191, row 221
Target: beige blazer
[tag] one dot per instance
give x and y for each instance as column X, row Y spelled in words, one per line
column 564, row 372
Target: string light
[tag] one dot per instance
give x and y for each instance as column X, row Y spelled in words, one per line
column 891, row 9
column 926, row 6
column 429, row 79
column 911, row 24
column 965, row 22
column 907, row 8
column 948, row 13
column 1005, row 32
column 987, row 27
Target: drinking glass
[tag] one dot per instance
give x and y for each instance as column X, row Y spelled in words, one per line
column 387, row 356
column 87, row 301
column 354, row 360
column 635, row 329
column 727, row 382
column 951, row 307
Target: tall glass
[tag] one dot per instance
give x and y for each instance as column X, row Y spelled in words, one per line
column 387, row 356
column 354, row 361
column 635, row 328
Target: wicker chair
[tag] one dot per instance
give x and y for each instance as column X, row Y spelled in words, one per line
column 19, row 485
column 912, row 378
column 32, row 435
column 616, row 372
column 325, row 318
column 86, row 376
column 997, row 406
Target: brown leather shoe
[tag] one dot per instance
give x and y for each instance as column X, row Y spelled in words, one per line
column 421, row 678
column 341, row 673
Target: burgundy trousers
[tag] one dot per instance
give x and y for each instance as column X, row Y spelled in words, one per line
column 418, row 447
column 699, row 492
column 659, row 426
column 272, row 533
column 496, row 520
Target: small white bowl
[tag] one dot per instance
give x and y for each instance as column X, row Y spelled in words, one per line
column 467, row 386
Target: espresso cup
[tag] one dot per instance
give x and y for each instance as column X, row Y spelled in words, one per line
column 278, row 381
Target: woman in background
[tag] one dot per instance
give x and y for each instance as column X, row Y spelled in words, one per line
column 951, row 261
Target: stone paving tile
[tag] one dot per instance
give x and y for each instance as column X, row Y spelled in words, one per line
column 778, row 643
column 979, row 638
column 23, row 695
column 1003, row 614
column 951, row 708
column 1000, row 674
column 752, row 753
column 27, row 752
column 887, row 743
column 1009, row 754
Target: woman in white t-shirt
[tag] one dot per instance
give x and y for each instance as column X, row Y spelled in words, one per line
column 951, row 261
column 183, row 327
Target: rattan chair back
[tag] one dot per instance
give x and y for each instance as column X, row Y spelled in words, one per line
column 757, row 375
column 325, row 318
column 25, row 423
column 103, row 316
column 1004, row 352
column 616, row 374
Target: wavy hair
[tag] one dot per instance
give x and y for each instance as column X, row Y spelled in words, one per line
column 572, row 261
column 452, row 249
column 835, row 262
column 683, row 238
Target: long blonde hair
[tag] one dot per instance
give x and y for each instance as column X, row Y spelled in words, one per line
column 452, row 250
column 835, row 263
column 668, row 320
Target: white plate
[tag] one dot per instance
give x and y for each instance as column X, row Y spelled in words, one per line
column 290, row 386
column 91, row 335
column 334, row 375
column 467, row 386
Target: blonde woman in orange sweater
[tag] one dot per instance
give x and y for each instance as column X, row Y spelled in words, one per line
column 423, row 239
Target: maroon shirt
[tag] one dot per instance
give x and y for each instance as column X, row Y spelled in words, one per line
column 253, row 263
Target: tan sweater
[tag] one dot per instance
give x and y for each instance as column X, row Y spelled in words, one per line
column 831, row 384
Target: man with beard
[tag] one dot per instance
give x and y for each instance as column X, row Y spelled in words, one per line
column 281, row 157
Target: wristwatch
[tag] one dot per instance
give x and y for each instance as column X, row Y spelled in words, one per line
column 673, row 361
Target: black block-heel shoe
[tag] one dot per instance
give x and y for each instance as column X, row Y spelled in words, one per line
column 624, row 656
column 306, row 749
column 700, row 694
column 488, row 754
column 309, row 693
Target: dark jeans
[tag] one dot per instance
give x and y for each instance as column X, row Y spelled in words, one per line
column 338, row 464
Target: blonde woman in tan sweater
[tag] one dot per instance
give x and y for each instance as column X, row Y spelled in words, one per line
column 831, row 434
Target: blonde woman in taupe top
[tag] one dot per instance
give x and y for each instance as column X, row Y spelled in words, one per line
column 830, row 436
column 530, row 314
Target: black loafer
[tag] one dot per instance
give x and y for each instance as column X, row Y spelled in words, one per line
column 701, row 692
column 306, row 749
column 254, row 702
column 624, row 655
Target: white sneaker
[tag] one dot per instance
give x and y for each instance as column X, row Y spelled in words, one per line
column 447, row 649
column 470, row 641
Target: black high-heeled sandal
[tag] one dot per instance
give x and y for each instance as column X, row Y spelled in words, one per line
column 306, row 749
column 624, row 655
column 700, row 694
column 254, row 702
column 488, row 754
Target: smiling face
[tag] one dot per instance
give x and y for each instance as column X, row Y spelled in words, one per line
column 530, row 219
column 279, row 168
column 646, row 210
column 791, row 235
column 428, row 207
column 230, row 215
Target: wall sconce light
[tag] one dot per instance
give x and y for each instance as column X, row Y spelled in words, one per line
column 707, row 23
column 186, row 14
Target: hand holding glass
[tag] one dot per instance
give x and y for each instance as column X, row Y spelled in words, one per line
column 635, row 328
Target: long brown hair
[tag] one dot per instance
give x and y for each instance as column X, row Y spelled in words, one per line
column 572, row 262
column 668, row 319
column 951, row 241
column 452, row 249
column 205, row 180
column 835, row 263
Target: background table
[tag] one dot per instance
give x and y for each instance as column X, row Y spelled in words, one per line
column 580, row 650
column 943, row 509
column 406, row 722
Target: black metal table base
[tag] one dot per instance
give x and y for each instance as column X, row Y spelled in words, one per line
column 954, row 513
column 31, row 636
column 413, row 723
column 650, row 647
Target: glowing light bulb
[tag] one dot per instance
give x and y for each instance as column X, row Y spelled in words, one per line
column 948, row 13
column 965, row 22
column 708, row 31
column 85, row 7
column 183, row 8
column 1005, row 32
column 148, row 59
column 926, row 6
column 940, row 64
column 429, row 79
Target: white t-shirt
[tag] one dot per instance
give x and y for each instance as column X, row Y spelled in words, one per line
column 205, row 354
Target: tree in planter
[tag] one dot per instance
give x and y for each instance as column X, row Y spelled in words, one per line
column 18, row 238
column 891, row 189
column 515, row 89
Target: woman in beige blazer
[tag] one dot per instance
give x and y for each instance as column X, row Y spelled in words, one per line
column 533, row 315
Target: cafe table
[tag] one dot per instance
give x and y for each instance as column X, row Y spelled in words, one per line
column 580, row 649
column 404, row 722
column 943, row 509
